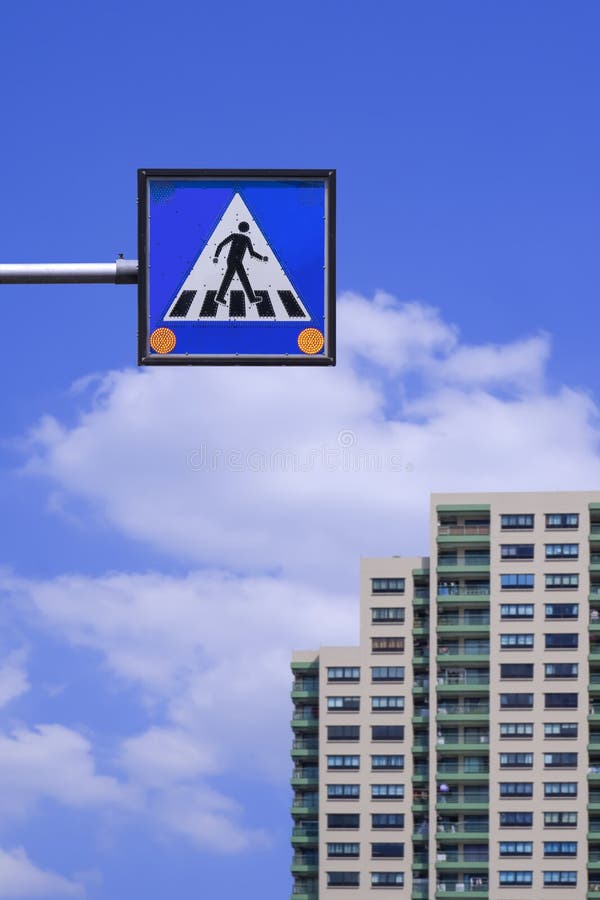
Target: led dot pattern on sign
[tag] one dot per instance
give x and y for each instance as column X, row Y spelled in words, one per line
column 311, row 340
column 162, row 340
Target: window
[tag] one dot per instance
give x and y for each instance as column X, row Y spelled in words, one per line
column 516, row 641
column 384, row 703
column 561, row 581
column 387, row 820
column 560, row 760
column 387, row 732
column 560, row 819
column 343, row 704
column 514, row 523
column 387, row 762
column 343, row 879
column 516, row 760
column 562, row 520
column 516, row 729
column 343, row 732
column 387, row 614
column 343, row 791
column 387, row 645
column 516, row 670
column 561, row 670
column 561, row 641
column 516, row 551
column 343, row 850
column 387, row 673
column 385, row 791
column 343, row 762
column 516, row 819
column 387, row 879
column 560, row 730
column 523, row 879
column 560, row 701
column 387, row 585
column 516, row 789
column 562, row 551
column 568, row 879
column 516, row 848
column 387, row 851
column 516, row 701
column 516, row 582
column 562, row 610
column 560, row 848
column 560, row 789
column 343, row 673
column 516, row 611
column 343, row 820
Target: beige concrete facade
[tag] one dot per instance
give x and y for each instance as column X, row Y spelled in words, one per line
column 489, row 659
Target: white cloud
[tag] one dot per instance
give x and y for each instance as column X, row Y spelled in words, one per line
column 53, row 762
column 21, row 878
column 13, row 677
column 304, row 471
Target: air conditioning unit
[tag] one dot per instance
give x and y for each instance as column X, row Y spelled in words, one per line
column 441, row 857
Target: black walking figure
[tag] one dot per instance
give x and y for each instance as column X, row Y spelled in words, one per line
column 239, row 244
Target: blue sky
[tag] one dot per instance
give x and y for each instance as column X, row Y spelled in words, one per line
column 150, row 601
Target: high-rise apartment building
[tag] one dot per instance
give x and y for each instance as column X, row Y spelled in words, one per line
column 456, row 751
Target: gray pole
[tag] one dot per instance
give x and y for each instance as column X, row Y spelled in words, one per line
column 122, row 271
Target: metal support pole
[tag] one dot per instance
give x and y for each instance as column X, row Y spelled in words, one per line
column 122, row 271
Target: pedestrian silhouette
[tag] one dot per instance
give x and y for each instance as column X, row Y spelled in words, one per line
column 235, row 266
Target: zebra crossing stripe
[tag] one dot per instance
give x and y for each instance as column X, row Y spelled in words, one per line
column 292, row 307
column 182, row 307
column 265, row 307
column 237, row 307
column 209, row 307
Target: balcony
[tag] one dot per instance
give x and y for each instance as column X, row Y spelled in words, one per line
column 305, row 748
column 305, row 863
column 465, row 623
column 305, row 805
column 305, row 719
column 420, row 889
column 421, row 597
column 305, row 689
column 594, row 858
column 305, row 836
column 463, row 592
column 305, row 890
column 594, row 801
column 457, row 829
column 305, row 776
column 454, row 859
column 454, row 800
column 465, row 651
column 594, row 562
column 472, row 534
column 420, row 626
column 475, row 889
column 468, row 741
column 473, row 565
column 451, row 681
column 465, row 712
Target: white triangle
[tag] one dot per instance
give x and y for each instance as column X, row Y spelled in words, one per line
column 206, row 275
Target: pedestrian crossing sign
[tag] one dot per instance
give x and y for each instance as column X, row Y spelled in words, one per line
column 236, row 267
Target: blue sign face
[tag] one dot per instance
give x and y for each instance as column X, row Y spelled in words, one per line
column 237, row 267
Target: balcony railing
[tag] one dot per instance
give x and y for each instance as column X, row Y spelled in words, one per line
column 305, row 859
column 466, row 677
column 455, row 769
column 480, row 559
column 421, row 593
column 456, row 619
column 595, row 558
column 469, row 708
column 304, row 831
column 476, row 738
column 309, row 772
column 300, row 744
column 463, row 529
column 482, row 648
column 467, row 887
column 300, row 803
column 466, row 797
column 306, row 714
column 452, row 827
column 464, row 589
column 454, row 856
column 306, row 887
column 305, row 684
